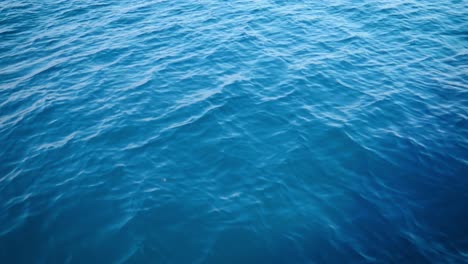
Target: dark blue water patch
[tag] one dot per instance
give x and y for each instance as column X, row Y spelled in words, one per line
column 233, row 132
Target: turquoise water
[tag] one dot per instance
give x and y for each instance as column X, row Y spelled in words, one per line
column 233, row 131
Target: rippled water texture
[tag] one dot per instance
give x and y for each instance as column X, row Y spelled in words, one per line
column 233, row 131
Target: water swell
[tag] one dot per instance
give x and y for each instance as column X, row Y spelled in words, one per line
column 209, row 132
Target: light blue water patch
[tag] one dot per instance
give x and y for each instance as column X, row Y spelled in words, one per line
column 233, row 131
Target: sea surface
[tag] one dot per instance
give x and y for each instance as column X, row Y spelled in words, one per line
column 245, row 131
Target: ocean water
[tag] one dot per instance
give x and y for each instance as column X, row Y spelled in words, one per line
column 233, row 131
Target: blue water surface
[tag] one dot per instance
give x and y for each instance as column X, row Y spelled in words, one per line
column 233, row 131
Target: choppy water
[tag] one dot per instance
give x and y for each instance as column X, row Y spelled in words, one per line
column 233, row 131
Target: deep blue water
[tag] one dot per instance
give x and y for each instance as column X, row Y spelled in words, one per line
column 233, row 131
